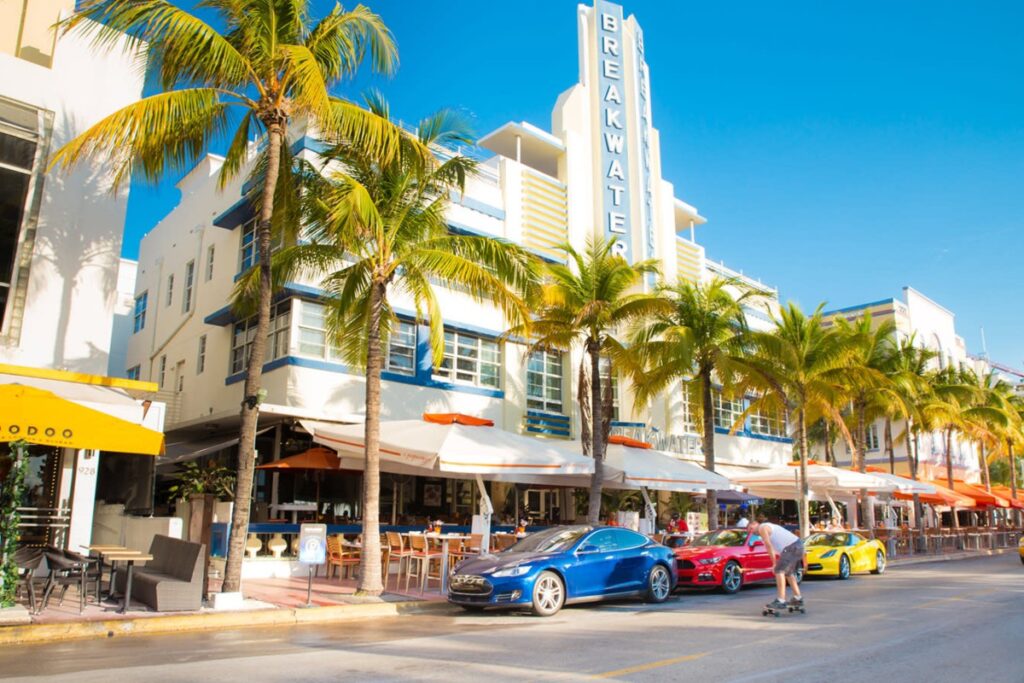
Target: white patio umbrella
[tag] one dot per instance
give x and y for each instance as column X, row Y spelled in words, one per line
column 455, row 446
column 903, row 484
column 784, row 482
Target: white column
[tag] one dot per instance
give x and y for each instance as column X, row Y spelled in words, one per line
column 82, row 500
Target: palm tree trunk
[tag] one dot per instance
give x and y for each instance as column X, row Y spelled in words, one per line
column 912, row 461
column 1013, row 475
column 708, row 413
column 583, row 399
column 991, row 514
column 830, row 455
column 805, row 518
column 949, row 473
column 276, row 131
column 867, row 505
column 889, row 446
column 369, row 561
column 597, row 432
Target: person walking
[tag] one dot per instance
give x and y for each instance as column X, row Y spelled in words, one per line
column 787, row 552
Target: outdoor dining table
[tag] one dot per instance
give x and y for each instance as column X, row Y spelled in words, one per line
column 102, row 551
column 445, row 538
column 129, row 557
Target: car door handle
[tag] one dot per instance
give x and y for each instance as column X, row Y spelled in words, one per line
column 609, row 557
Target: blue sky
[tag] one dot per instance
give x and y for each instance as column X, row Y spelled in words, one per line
column 840, row 151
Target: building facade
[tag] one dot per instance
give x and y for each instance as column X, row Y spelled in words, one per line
column 61, row 233
column 933, row 327
column 596, row 171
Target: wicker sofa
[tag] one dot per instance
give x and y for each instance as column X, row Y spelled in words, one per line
column 173, row 580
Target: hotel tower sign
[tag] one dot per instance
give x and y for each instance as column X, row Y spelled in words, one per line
column 613, row 119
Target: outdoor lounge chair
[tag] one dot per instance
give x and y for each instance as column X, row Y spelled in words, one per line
column 173, row 581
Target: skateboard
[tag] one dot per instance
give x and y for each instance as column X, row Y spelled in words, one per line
column 776, row 611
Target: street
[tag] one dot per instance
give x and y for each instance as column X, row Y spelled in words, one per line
column 942, row 621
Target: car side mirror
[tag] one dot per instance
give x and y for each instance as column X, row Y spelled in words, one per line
column 589, row 548
column 757, row 544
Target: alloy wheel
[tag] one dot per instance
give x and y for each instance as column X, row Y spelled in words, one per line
column 844, row 567
column 879, row 562
column 548, row 594
column 661, row 585
column 732, row 577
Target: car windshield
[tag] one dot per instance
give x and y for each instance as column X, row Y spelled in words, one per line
column 550, row 540
column 724, row 537
column 830, row 540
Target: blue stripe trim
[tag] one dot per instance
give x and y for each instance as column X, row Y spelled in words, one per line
column 234, row 215
column 328, row 366
column 548, row 431
column 634, row 425
column 477, row 205
column 557, row 417
column 860, row 307
column 747, row 434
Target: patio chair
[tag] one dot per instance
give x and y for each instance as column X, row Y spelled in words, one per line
column 339, row 556
column 420, row 560
column 397, row 549
column 31, row 564
column 71, row 569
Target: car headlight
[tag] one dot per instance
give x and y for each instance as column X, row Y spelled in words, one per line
column 830, row 553
column 517, row 570
column 710, row 560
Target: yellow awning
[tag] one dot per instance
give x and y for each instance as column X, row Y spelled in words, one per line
column 42, row 417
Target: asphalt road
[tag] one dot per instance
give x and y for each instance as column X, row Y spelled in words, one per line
column 948, row 621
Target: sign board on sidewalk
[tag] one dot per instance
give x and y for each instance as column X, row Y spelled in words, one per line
column 313, row 543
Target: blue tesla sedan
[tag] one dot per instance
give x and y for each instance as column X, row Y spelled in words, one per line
column 564, row 565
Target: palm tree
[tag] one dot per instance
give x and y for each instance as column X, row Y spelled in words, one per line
column 800, row 368
column 694, row 340
column 377, row 229
column 269, row 65
column 585, row 303
column 908, row 367
column 869, row 388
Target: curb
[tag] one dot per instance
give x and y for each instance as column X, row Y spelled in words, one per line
column 48, row 633
column 903, row 562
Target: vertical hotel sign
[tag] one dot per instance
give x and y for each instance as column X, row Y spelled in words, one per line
column 643, row 116
column 614, row 151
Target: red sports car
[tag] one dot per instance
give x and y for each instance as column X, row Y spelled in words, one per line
column 726, row 559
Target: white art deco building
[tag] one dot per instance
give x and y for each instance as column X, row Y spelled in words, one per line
column 596, row 169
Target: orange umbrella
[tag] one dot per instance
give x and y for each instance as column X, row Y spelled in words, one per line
column 1007, row 493
column 942, row 496
column 983, row 498
column 317, row 458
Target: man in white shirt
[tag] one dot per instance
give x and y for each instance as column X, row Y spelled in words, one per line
column 787, row 552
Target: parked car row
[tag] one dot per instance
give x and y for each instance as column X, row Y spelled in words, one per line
column 580, row 563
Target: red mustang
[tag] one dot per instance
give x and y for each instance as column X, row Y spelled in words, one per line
column 726, row 559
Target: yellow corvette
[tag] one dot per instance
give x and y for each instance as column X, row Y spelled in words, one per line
column 840, row 553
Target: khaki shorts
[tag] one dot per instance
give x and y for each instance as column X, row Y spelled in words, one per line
column 791, row 557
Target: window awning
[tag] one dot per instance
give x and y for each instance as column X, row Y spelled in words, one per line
column 46, row 418
column 192, row 449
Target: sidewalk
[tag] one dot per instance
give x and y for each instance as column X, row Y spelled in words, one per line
column 267, row 602
column 947, row 557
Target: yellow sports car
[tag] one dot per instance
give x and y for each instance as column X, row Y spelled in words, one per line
column 840, row 553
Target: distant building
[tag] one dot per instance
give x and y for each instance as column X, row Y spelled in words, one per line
column 597, row 171
column 932, row 326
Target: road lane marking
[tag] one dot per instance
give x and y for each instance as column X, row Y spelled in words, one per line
column 650, row 665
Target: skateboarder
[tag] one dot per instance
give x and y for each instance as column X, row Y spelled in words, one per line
column 787, row 552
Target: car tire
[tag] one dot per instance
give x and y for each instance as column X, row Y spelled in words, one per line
column 732, row 577
column 548, row 594
column 879, row 563
column 659, row 584
column 844, row 568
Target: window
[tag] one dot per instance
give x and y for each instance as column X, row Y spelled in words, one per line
column 201, row 355
column 469, row 359
column 402, row 349
column 544, row 381
column 247, row 250
column 727, row 410
column 133, row 372
column 170, row 290
column 277, row 337
column 871, row 438
column 768, row 423
column 163, row 372
column 313, row 331
column 190, row 276
column 608, row 378
column 29, row 31
column 210, row 250
column 139, row 314
column 19, row 134
column 688, row 414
